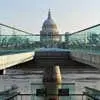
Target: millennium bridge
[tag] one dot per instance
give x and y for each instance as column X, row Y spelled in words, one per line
column 78, row 51
column 18, row 46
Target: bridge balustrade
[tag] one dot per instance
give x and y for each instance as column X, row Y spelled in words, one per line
column 70, row 94
column 87, row 40
column 15, row 40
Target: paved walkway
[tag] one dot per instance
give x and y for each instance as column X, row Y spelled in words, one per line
column 14, row 59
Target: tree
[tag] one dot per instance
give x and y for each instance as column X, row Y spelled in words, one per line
column 93, row 38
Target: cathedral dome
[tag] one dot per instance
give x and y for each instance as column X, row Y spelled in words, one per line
column 49, row 31
column 49, row 23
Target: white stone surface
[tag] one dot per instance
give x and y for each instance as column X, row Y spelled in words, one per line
column 14, row 59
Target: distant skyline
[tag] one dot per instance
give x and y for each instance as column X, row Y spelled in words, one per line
column 69, row 15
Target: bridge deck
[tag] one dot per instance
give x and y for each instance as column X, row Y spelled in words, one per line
column 7, row 61
column 42, row 59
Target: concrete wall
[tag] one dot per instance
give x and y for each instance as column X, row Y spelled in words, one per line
column 87, row 58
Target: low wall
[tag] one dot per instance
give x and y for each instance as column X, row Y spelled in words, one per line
column 87, row 58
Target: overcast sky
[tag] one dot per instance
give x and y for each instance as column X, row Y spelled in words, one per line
column 69, row 15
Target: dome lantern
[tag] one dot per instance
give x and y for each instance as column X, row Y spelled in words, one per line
column 49, row 14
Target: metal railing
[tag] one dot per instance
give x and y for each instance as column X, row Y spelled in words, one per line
column 13, row 40
column 17, row 40
column 83, row 96
column 86, row 40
